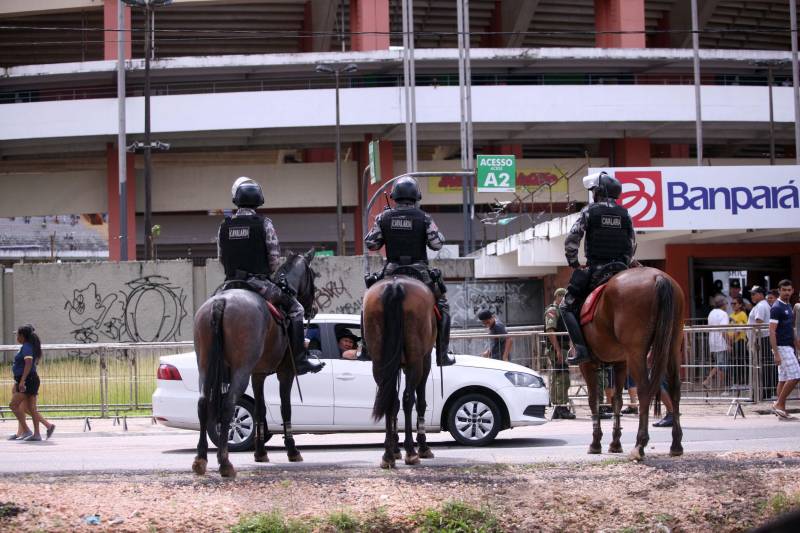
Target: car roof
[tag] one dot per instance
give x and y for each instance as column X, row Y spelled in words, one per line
column 335, row 317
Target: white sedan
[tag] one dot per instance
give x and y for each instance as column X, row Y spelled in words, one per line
column 481, row 396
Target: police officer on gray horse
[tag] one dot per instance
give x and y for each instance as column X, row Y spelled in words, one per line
column 609, row 247
column 248, row 249
column 406, row 231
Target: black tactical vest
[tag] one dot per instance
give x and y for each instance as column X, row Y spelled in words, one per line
column 608, row 234
column 243, row 247
column 405, row 235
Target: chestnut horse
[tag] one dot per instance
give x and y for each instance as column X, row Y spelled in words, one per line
column 639, row 312
column 400, row 330
column 236, row 337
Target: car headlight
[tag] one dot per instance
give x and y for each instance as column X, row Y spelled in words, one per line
column 521, row 379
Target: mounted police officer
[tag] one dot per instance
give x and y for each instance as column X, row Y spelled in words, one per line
column 248, row 249
column 609, row 247
column 406, row 230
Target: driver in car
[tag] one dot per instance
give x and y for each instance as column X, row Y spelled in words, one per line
column 347, row 343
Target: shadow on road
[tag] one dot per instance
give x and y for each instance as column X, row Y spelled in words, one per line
column 498, row 444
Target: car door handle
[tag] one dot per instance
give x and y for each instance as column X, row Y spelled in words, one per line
column 345, row 376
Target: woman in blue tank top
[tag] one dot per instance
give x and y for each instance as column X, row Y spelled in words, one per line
column 26, row 386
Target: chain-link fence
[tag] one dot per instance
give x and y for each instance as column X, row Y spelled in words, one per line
column 92, row 379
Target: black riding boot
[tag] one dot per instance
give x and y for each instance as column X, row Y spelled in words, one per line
column 297, row 339
column 581, row 353
column 443, row 357
column 364, row 352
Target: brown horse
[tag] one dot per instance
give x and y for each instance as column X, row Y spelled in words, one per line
column 236, row 337
column 400, row 330
column 639, row 312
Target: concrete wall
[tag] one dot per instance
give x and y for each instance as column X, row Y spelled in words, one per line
column 138, row 301
column 106, row 302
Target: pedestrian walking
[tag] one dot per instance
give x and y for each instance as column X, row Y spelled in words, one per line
column 556, row 351
column 499, row 347
column 26, row 386
column 784, row 343
column 740, row 355
column 718, row 344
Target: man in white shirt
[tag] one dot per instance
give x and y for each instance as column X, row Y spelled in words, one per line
column 718, row 343
column 759, row 341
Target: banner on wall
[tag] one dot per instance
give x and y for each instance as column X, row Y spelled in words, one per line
column 704, row 198
column 527, row 181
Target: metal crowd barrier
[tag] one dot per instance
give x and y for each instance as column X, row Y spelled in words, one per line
column 744, row 370
column 92, row 379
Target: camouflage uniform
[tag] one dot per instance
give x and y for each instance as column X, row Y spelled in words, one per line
column 559, row 383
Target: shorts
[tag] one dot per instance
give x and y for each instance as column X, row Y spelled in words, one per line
column 789, row 367
column 720, row 358
column 31, row 384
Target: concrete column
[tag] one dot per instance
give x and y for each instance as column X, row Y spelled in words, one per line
column 619, row 16
column 369, row 25
column 319, row 155
column 632, row 152
column 112, row 181
column 110, row 37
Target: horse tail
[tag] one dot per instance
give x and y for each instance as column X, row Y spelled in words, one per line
column 663, row 334
column 215, row 373
column 392, row 349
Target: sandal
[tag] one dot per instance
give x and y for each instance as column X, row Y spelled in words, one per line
column 780, row 412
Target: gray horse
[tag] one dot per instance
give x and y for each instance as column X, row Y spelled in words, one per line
column 236, row 337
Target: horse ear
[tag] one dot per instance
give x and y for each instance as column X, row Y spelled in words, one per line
column 309, row 255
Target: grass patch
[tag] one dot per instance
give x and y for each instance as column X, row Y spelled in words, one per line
column 457, row 517
column 272, row 522
column 781, row 503
column 343, row 521
column 9, row 510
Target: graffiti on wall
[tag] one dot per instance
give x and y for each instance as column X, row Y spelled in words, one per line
column 333, row 296
column 149, row 309
column 514, row 303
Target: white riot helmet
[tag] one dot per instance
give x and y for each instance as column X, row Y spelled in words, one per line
column 247, row 193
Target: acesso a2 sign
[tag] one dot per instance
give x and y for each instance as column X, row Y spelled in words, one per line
column 686, row 198
column 496, row 173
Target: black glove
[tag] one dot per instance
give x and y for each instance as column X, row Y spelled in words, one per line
column 284, row 286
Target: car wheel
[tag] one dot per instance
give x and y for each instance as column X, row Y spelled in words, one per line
column 241, row 435
column 474, row 420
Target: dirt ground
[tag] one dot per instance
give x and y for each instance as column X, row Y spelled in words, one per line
column 717, row 492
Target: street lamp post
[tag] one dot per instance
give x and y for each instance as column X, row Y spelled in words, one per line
column 337, row 72
column 147, row 146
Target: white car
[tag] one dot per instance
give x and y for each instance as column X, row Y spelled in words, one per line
column 481, row 396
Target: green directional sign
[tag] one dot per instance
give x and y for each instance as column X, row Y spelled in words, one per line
column 323, row 253
column 374, row 162
column 496, row 173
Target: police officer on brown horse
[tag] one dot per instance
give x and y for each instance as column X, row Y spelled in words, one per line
column 609, row 247
column 406, row 231
column 249, row 251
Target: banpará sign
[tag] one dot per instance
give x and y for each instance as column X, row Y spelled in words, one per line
column 704, row 198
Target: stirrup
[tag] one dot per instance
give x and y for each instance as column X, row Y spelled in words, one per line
column 580, row 355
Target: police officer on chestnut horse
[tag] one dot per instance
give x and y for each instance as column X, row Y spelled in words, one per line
column 249, row 251
column 406, row 230
column 609, row 247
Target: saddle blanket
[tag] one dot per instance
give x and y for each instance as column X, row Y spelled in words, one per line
column 589, row 307
column 275, row 312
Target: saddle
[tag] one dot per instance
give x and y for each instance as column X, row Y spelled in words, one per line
column 276, row 313
column 601, row 278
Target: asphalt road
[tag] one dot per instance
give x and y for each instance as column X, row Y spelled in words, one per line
column 146, row 447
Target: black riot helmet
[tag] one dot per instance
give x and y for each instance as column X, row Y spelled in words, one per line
column 603, row 185
column 247, row 193
column 406, row 189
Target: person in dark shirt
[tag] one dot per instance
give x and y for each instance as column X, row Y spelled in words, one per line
column 783, row 343
column 499, row 347
column 26, row 386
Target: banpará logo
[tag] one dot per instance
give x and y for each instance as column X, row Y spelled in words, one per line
column 734, row 199
column 641, row 196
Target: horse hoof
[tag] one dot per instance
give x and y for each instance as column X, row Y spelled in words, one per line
column 199, row 466
column 426, row 453
column 398, row 455
column 261, row 458
column 615, row 449
column 637, row 454
column 297, row 458
column 227, row 471
column 387, row 464
column 675, row 452
column 412, row 459
column 594, row 450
